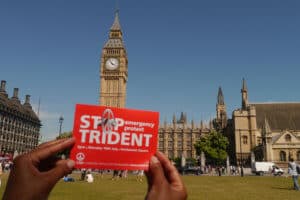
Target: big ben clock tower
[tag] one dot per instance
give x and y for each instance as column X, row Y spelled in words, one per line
column 114, row 68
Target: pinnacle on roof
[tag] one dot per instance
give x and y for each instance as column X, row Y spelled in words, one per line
column 244, row 87
column 266, row 126
column 116, row 25
column 220, row 97
column 182, row 119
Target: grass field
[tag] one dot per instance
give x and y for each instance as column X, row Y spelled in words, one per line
column 199, row 187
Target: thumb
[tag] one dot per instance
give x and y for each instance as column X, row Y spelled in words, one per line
column 156, row 172
column 62, row 168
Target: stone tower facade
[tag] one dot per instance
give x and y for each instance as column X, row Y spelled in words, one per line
column 114, row 68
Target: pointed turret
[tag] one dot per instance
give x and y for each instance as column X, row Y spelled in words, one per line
column 244, row 87
column 266, row 127
column 116, row 25
column 165, row 123
column 185, row 118
column 115, row 35
column 244, row 92
column 221, row 120
column 174, row 121
column 201, row 125
column 220, row 97
column 182, row 119
column 211, row 124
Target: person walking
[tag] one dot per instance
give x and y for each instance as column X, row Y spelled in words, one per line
column 293, row 172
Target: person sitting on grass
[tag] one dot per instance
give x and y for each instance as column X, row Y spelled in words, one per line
column 89, row 177
column 68, row 179
column 35, row 173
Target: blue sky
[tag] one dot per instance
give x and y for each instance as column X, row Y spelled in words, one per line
column 179, row 53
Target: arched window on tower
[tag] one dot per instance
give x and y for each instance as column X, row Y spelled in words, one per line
column 282, row 155
column 245, row 139
column 288, row 138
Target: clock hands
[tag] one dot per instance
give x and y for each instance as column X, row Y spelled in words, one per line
column 112, row 62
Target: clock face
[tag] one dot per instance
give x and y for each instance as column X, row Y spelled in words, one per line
column 112, row 63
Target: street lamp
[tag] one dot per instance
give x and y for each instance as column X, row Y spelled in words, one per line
column 60, row 121
column 241, row 155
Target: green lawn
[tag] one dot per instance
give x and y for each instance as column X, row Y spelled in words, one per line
column 199, row 187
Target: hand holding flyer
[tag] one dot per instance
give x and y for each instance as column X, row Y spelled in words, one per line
column 114, row 138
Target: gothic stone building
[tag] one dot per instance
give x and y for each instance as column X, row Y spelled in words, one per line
column 19, row 125
column 178, row 139
column 272, row 128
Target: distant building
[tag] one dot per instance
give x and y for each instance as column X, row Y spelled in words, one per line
column 267, row 131
column 177, row 139
column 19, row 125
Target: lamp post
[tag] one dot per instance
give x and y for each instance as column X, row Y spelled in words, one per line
column 60, row 121
column 241, row 155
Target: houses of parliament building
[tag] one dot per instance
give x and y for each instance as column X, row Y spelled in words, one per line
column 271, row 128
column 19, row 125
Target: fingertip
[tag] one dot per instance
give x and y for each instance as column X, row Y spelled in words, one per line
column 71, row 140
column 154, row 160
column 70, row 164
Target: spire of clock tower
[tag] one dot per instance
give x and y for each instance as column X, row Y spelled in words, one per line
column 115, row 35
column 116, row 25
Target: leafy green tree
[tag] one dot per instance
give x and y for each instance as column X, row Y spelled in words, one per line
column 177, row 161
column 65, row 135
column 66, row 153
column 214, row 146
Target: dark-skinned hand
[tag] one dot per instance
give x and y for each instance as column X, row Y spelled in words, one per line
column 34, row 174
column 164, row 181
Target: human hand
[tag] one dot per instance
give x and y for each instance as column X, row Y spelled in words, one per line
column 34, row 174
column 164, row 182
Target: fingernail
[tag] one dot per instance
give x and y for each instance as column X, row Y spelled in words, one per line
column 154, row 160
column 71, row 164
column 70, row 139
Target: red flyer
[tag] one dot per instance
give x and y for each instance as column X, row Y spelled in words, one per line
column 114, row 138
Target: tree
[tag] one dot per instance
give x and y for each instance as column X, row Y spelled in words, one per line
column 66, row 153
column 65, row 135
column 214, row 146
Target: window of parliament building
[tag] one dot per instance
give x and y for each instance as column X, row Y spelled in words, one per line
column 19, row 125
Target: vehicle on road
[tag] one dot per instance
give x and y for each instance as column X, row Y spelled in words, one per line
column 190, row 170
column 261, row 168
